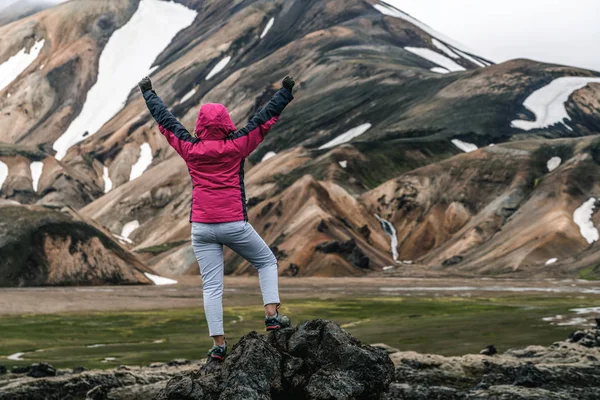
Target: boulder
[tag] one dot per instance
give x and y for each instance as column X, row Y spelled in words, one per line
column 489, row 350
column 20, row 369
column 315, row 360
column 41, row 370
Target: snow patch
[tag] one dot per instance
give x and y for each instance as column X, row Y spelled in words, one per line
column 551, row 261
column 122, row 239
column 548, row 103
column 129, row 227
column 142, row 163
column 3, row 173
column 389, row 230
column 574, row 321
column 389, row 268
column 188, row 96
column 36, row 168
column 14, row 66
column 93, row 346
column 553, row 163
column 583, row 218
column 464, row 146
column 107, row 181
column 347, row 136
column 107, row 359
column 126, row 58
column 16, row 357
column 267, row 28
column 269, row 155
column 160, row 280
column 440, row 70
column 343, row 164
column 219, row 67
column 588, row 310
column 436, row 58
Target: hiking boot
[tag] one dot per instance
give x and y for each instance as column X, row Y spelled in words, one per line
column 277, row 321
column 217, row 352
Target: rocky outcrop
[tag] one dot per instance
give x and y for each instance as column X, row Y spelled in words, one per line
column 317, row 360
column 566, row 370
column 42, row 246
column 122, row 383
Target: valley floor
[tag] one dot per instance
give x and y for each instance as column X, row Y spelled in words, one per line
column 245, row 290
column 101, row 327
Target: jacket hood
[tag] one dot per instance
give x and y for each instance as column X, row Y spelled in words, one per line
column 214, row 122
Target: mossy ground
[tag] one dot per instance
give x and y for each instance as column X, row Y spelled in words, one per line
column 443, row 325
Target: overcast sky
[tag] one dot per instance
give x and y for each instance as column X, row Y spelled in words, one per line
column 557, row 31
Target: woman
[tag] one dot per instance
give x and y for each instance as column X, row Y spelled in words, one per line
column 215, row 155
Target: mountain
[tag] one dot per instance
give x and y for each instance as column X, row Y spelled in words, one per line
column 365, row 169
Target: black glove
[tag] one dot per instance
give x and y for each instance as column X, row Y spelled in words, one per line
column 145, row 84
column 288, row 83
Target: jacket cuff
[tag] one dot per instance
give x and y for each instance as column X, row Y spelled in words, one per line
column 287, row 94
column 147, row 93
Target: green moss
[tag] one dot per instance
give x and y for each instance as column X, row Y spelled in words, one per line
column 432, row 325
column 590, row 273
column 161, row 248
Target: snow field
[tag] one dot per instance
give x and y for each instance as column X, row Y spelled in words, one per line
column 464, row 146
column 583, row 219
column 36, row 168
column 347, row 136
column 126, row 58
column 219, row 67
column 14, row 66
column 142, row 163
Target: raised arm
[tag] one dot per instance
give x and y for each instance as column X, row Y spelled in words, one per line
column 177, row 136
column 249, row 137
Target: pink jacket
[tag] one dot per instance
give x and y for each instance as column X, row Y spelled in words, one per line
column 216, row 158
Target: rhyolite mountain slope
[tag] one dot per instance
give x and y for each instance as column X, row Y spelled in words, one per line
column 384, row 108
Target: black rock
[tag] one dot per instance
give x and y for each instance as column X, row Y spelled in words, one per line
column 587, row 342
column 322, row 227
column 598, row 323
column 41, row 370
column 3, row 370
column 97, row 393
column 294, row 269
column 329, row 247
column 20, row 369
column 359, row 258
column 254, row 201
column 365, row 231
column 576, row 336
column 317, row 360
column 79, row 369
column 453, row 261
column 529, row 376
column 278, row 253
column 489, row 350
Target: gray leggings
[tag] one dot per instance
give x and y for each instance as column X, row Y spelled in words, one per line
column 208, row 241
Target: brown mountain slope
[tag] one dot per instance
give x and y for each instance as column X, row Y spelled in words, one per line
column 503, row 217
column 39, row 247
